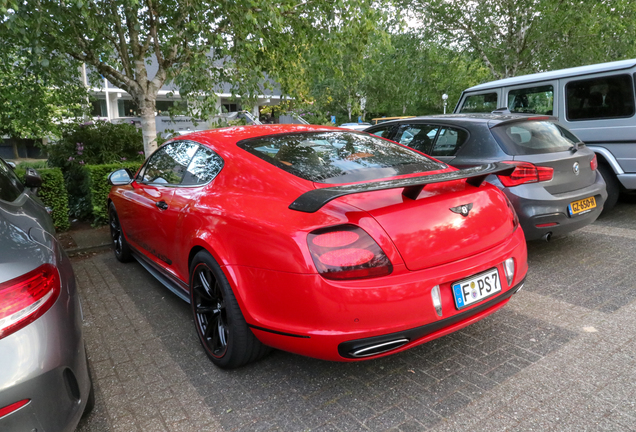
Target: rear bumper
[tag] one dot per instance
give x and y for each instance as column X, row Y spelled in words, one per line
column 46, row 363
column 309, row 315
column 540, row 209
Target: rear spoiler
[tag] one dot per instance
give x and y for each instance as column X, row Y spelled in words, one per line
column 312, row 201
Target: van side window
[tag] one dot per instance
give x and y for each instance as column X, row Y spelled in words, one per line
column 481, row 103
column 534, row 100
column 600, row 98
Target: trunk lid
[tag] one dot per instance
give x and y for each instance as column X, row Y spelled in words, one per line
column 428, row 233
column 565, row 177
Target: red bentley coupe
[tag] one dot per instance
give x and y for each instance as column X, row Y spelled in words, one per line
column 320, row 241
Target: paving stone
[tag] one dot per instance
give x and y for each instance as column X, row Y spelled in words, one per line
column 529, row 366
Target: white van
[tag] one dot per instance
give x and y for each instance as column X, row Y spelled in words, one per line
column 595, row 102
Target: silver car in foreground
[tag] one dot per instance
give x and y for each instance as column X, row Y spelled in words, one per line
column 44, row 379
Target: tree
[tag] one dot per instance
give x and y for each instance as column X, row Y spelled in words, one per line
column 409, row 74
column 37, row 91
column 513, row 37
column 196, row 44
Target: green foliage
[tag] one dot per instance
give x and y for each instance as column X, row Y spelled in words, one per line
column 52, row 193
column 92, row 144
column 197, row 45
column 515, row 37
column 37, row 88
column 99, row 188
column 96, row 143
column 41, row 164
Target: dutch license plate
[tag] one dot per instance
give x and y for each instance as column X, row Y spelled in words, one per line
column 582, row 206
column 476, row 288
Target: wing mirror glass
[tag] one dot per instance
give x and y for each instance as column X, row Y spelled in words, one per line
column 120, row 177
column 11, row 165
column 32, row 178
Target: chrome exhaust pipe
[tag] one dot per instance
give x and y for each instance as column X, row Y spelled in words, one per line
column 547, row 237
column 376, row 349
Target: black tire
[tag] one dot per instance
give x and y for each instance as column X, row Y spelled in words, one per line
column 221, row 327
column 613, row 187
column 121, row 248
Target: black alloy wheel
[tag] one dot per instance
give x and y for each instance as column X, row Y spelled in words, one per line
column 121, row 248
column 223, row 332
column 209, row 311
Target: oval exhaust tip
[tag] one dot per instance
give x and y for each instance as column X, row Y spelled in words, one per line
column 376, row 349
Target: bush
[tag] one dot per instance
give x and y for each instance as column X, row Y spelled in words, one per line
column 95, row 144
column 99, row 187
column 52, row 193
column 92, row 144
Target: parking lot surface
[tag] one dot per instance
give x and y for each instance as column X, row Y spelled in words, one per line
column 560, row 356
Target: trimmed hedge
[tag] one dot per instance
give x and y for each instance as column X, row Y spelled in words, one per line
column 53, row 194
column 100, row 188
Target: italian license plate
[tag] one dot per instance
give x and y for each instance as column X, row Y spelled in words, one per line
column 476, row 288
column 582, row 206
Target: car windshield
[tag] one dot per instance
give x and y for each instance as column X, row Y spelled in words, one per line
column 533, row 137
column 338, row 157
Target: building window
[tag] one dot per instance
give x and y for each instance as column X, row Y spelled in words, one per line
column 127, row 108
column 98, row 108
column 232, row 107
column 164, row 107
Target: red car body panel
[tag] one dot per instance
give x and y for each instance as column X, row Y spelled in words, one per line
column 242, row 218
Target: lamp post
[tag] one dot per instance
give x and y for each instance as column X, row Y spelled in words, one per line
column 445, row 99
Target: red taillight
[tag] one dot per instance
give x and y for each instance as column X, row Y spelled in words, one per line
column 347, row 252
column 26, row 298
column 525, row 172
column 13, row 407
column 594, row 163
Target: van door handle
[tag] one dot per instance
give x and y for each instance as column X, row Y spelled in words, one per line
column 162, row 205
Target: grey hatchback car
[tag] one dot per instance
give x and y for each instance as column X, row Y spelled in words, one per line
column 44, row 379
column 555, row 187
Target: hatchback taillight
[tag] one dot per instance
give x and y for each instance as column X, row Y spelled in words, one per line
column 594, row 163
column 525, row 172
column 347, row 252
column 25, row 298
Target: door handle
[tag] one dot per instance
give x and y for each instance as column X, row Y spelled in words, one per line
column 162, row 205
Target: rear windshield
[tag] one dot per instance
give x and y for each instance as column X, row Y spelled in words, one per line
column 338, row 157
column 533, row 137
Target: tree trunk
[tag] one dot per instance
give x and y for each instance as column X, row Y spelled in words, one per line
column 148, row 125
column 16, row 155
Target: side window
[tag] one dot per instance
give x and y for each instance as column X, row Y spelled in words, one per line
column 205, row 165
column 382, row 132
column 534, row 100
column 449, row 142
column 10, row 186
column 600, row 98
column 481, row 103
column 168, row 164
column 417, row 136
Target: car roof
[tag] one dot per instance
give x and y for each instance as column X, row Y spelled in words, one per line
column 466, row 118
column 234, row 134
column 561, row 73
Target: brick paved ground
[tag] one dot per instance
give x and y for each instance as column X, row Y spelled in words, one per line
column 560, row 356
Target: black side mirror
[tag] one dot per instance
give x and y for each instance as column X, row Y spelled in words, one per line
column 120, row 177
column 32, row 179
column 11, row 165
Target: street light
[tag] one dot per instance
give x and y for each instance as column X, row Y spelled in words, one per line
column 445, row 98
